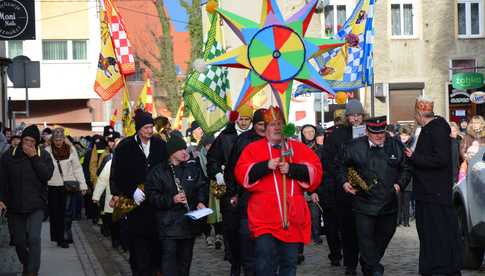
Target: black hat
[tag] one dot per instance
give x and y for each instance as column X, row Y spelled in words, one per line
column 99, row 141
column 175, row 144
column 47, row 130
column 33, row 132
column 142, row 118
column 258, row 115
column 108, row 131
column 376, row 124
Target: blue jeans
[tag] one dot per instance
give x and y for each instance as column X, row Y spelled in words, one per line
column 268, row 249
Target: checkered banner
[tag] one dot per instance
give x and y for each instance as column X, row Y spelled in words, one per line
column 351, row 66
column 205, row 93
column 122, row 45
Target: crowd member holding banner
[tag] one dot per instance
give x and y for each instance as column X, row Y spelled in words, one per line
column 67, row 179
column 440, row 250
column 380, row 173
column 132, row 160
column 277, row 172
column 175, row 188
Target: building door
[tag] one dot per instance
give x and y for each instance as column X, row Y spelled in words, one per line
column 401, row 105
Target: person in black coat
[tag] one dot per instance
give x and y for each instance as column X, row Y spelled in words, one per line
column 239, row 196
column 382, row 165
column 217, row 160
column 440, row 250
column 175, row 188
column 406, row 137
column 24, row 172
column 132, row 160
column 338, row 215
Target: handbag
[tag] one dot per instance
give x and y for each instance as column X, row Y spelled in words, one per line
column 69, row 185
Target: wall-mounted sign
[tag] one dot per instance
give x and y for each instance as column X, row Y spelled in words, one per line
column 477, row 97
column 465, row 81
column 17, row 20
column 459, row 97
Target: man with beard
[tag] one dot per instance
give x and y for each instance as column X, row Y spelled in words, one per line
column 277, row 172
column 382, row 166
column 239, row 196
column 132, row 160
column 440, row 252
column 338, row 215
column 217, row 160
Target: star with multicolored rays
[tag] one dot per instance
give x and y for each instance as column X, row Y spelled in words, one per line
column 276, row 52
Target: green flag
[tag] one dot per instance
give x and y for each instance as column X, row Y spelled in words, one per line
column 205, row 93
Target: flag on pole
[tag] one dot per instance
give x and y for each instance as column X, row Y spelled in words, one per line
column 351, row 66
column 127, row 116
column 114, row 118
column 179, row 117
column 109, row 79
column 145, row 99
column 122, row 46
column 205, row 93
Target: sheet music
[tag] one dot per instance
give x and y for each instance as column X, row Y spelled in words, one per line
column 198, row 214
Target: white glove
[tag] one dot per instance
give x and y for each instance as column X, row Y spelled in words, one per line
column 220, row 179
column 138, row 196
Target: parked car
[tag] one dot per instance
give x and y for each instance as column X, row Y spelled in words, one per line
column 469, row 201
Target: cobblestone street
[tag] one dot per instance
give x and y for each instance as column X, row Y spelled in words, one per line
column 92, row 255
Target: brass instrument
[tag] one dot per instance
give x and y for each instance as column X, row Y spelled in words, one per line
column 125, row 205
column 358, row 182
column 218, row 190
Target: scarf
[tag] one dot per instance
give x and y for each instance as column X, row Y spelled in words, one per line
column 61, row 153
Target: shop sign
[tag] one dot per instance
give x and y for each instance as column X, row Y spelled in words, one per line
column 17, row 20
column 459, row 97
column 477, row 97
column 465, row 81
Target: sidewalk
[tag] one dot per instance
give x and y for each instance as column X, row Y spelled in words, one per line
column 77, row 260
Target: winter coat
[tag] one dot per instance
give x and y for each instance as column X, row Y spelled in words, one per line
column 102, row 185
column 455, row 158
column 129, row 168
column 71, row 170
column 468, row 140
column 329, row 192
column 431, row 161
column 233, row 188
column 266, row 188
column 160, row 189
column 379, row 167
column 3, row 143
column 23, row 180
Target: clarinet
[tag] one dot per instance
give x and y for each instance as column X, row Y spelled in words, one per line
column 180, row 189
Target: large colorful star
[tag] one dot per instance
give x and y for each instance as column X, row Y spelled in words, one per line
column 276, row 52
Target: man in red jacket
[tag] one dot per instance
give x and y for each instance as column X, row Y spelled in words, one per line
column 279, row 219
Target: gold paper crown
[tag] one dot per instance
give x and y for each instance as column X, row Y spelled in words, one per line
column 424, row 106
column 272, row 113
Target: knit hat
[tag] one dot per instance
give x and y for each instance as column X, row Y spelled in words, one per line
column 175, row 144
column 353, row 107
column 258, row 115
column 245, row 111
column 142, row 118
column 47, row 130
column 58, row 133
column 33, row 132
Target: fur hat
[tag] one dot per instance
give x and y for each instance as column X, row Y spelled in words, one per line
column 142, row 118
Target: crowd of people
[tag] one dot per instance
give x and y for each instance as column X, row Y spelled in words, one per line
column 270, row 192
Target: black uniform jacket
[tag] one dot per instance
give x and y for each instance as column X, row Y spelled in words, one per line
column 129, row 168
column 383, row 167
column 433, row 173
column 23, row 180
column 160, row 189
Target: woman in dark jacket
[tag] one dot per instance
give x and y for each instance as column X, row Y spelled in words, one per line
column 175, row 188
column 24, row 172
